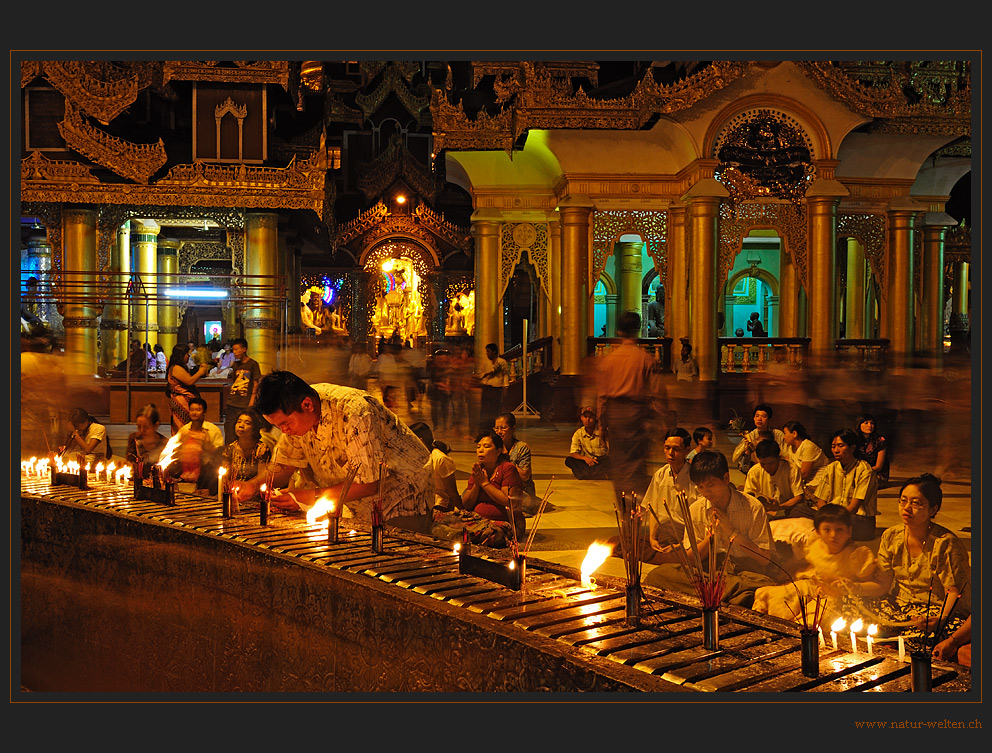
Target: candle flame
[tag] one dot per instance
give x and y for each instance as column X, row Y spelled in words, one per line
column 838, row 625
column 221, row 471
column 99, row 467
column 110, row 467
column 857, row 625
column 872, row 629
column 169, row 452
column 595, row 556
column 320, row 511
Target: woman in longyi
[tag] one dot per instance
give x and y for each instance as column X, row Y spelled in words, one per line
column 837, row 570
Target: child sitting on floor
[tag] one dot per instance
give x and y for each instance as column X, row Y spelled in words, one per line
column 703, row 437
column 836, row 568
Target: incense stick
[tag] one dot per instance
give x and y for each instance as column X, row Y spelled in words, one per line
column 537, row 517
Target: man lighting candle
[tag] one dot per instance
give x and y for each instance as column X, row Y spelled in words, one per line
column 327, row 426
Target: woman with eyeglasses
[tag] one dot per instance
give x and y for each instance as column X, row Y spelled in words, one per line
column 923, row 566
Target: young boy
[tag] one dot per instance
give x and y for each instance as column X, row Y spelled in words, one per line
column 703, row 437
column 836, row 567
column 719, row 512
column 200, row 444
column 588, row 456
column 774, row 482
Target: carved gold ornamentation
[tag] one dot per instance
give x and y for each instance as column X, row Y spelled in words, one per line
column 395, row 79
column 957, row 244
column 788, row 220
column 869, row 229
column 191, row 252
column 540, row 96
column 880, row 91
column 102, row 96
column 362, row 224
column 394, row 163
column 401, row 226
column 459, row 237
column 764, row 153
column 244, row 72
column 135, row 161
column 30, row 70
column 609, row 225
column 516, row 238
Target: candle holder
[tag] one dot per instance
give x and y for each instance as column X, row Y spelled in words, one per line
column 633, row 614
column 711, row 629
column 333, row 532
column 921, row 671
column 263, row 509
column 809, row 649
column 70, row 479
column 377, row 537
column 510, row 573
column 227, row 501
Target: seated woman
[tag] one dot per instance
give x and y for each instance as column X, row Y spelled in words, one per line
column 494, row 488
column 446, row 496
column 519, row 453
column 803, row 453
column 920, row 563
column 874, row 449
column 145, row 445
column 850, row 482
column 87, row 437
column 247, row 457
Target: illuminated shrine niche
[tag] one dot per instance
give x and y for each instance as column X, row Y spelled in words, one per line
column 460, row 320
column 399, row 309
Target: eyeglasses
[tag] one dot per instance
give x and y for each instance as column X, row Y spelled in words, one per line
column 913, row 503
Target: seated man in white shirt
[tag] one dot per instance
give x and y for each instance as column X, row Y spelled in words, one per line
column 665, row 524
column 775, row 483
column 589, row 453
column 719, row 513
column 200, row 446
column 743, row 455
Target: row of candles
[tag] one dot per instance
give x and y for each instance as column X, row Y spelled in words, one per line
column 855, row 628
column 41, row 468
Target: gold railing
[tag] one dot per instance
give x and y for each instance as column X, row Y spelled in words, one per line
column 761, row 354
column 538, row 356
column 862, row 355
column 659, row 348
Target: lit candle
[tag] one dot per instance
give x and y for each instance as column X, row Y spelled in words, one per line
column 823, row 642
column 836, row 628
column 220, row 484
column 110, row 472
column 872, row 629
column 902, row 649
column 855, row 627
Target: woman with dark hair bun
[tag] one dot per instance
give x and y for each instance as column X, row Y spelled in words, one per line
column 803, row 452
column 247, row 457
column 851, row 483
column 921, row 563
column 874, row 448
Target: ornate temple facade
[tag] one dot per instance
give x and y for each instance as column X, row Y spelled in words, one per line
column 451, row 199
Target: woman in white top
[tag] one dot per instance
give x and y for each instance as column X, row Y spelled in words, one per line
column 442, row 468
column 803, row 453
column 850, row 482
column 88, row 437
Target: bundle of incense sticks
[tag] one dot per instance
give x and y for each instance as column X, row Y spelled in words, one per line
column 537, row 516
column 345, row 488
column 628, row 517
column 709, row 581
column 929, row 638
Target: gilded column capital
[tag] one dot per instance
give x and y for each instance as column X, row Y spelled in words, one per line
column 261, row 221
column 78, row 214
column 145, row 227
column 705, row 189
column 168, row 246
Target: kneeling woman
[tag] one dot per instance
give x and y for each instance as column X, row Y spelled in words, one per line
column 494, row 489
column 921, row 563
column 247, row 457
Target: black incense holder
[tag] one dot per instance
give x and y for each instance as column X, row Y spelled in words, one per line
column 633, row 604
column 809, row 648
column 711, row 629
column 921, row 671
column 377, row 538
column 60, row 478
column 509, row 573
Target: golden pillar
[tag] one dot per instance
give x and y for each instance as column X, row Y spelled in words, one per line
column 822, row 277
column 629, row 275
column 263, row 287
column 554, row 285
column 900, row 284
column 855, row 294
column 79, row 298
column 935, row 226
column 959, row 324
column 676, row 293
column 122, row 337
column 488, row 308
column 168, row 313
column 788, row 299
column 702, row 227
column 575, row 214
column 113, row 327
column 144, row 321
